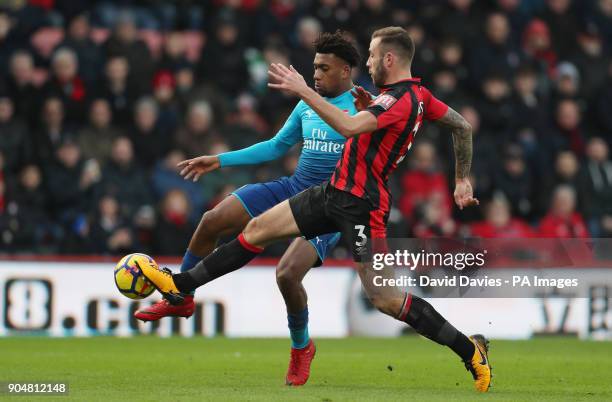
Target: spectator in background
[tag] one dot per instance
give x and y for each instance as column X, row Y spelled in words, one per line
column 497, row 52
column 597, row 176
column 370, row 16
column 333, row 14
column 70, row 182
column 223, row 64
column 567, row 131
column 244, row 126
column 495, row 106
column 110, row 233
column 563, row 220
column 560, row 16
column 35, row 228
column 173, row 229
column 433, row 218
column 151, row 143
column 196, row 136
column 125, row 181
column 166, row 177
column 591, row 59
column 450, row 57
column 53, row 130
column 8, row 221
column 118, row 89
column 567, row 169
column 21, row 86
column 221, row 182
column 274, row 102
column 422, row 181
column 14, row 141
column 95, row 139
column 603, row 104
column 499, row 222
column 602, row 18
column 185, row 86
column 174, row 52
column 168, row 108
column 459, row 19
column 423, row 61
column 66, row 84
column 88, row 53
column 445, row 85
column 537, row 46
column 516, row 14
column 567, row 84
column 124, row 42
column 514, row 180
column 529, row 108
column 308, row 31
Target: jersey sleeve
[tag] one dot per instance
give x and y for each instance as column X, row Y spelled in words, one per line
column 434, row 108
column 388, row 108
column 289, row 135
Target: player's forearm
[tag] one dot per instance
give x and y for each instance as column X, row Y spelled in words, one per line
column 462, row 141
column 258, row 153
column 336, row 118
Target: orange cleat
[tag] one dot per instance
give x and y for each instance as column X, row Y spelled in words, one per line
column 299, row 365
column 163, row 308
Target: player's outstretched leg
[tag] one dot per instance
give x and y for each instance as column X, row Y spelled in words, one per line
column 293, row 266
column 275, row 224
column 229, row 216
column 426, row 321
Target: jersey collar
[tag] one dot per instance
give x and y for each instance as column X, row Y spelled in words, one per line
column 343, row 94
column 413, row 80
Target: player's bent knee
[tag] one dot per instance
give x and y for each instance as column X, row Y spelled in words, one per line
column 212, row 222
column 286, row 274
column 253, row 229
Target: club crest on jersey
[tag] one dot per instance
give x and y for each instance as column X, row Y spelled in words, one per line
column 385, row 101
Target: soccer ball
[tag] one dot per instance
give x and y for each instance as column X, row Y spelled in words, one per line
column 129, row 278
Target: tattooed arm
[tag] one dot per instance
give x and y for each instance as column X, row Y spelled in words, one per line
column 462, row 144
column 462, row 141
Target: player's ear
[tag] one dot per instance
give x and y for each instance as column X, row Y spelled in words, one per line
column 389, row 59
column 346, row 71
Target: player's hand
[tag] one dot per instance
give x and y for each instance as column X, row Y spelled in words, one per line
column 464, row 195
column 196, row 167
column 286, row 79
column 362, row 98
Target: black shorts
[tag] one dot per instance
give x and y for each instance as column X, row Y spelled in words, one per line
column 324, row 209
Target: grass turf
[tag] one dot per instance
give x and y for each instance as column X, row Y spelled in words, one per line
column 354, row 369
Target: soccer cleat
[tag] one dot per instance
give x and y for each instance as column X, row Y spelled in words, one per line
column 299, row 365
column 163, row 308
column 479, row 365
column 163, row 282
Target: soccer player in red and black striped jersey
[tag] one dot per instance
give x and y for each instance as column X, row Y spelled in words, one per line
column 356, row 201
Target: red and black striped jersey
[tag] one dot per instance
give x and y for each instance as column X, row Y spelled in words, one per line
column 368, row 159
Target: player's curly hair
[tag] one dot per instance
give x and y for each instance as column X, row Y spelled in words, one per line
column 337, row 44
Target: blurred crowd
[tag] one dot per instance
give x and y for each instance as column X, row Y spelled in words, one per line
column 99, row 100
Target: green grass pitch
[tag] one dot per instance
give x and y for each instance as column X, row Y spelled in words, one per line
column 354, row 369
